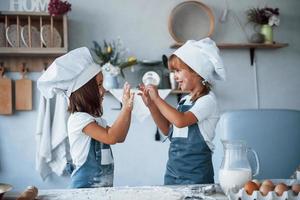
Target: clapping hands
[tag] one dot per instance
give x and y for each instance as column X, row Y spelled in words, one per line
column 128, row 97
column 148, row 94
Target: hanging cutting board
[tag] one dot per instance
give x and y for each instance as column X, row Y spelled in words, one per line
column 23, row 92
column 5, row 94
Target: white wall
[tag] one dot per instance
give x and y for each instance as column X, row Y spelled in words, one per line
column 142, row 25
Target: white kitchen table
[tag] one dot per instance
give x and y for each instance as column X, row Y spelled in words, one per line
column 132, row 193
column 183, row 192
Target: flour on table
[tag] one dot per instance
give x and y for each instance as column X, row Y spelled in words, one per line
column 146, row 194
column 122, row 193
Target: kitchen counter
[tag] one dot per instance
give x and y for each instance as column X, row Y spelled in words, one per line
column 135, row 193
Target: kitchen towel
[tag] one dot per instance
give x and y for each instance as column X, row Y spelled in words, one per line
column 59, row 135
column 65, row 75
column 51, row 138
column 43, row 143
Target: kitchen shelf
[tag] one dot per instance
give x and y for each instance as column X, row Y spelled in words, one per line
column 16, row 57
column 21, row 13
column 24, row 51
column 250, row 46
column 172, row 92
column 243, row 45
column 179, row 92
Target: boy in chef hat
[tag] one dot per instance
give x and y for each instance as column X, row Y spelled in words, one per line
column 77, row 77
column 190, row 128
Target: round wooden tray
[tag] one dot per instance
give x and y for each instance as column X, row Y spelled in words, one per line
column 200, row 26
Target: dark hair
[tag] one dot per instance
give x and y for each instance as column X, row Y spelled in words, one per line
column 86, row 99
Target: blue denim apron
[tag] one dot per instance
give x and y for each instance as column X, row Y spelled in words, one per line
column 92, row 173
column 190, row 159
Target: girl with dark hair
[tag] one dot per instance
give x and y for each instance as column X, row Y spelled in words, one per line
column 90, row 137
column 77, row 78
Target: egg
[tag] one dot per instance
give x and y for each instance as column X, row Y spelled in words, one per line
column 257, row 182
column 296, row 188
column 250, row 186
column 269, row 183
column 280, row 189
column 265, row 189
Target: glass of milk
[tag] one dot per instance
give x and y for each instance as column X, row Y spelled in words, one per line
column 235, row 169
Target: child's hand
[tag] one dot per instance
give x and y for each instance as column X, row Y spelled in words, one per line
column 127, row 97
column 152, row 91
column 145, row 96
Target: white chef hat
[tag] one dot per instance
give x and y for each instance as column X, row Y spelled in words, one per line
column 203, row 57
column 68, row 73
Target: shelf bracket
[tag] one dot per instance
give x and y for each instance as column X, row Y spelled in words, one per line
column 252, row 55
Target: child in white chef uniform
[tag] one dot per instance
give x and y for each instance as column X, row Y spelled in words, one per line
column 196, row 65
column 80, row 79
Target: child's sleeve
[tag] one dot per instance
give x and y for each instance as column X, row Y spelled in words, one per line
column 203, row 108
column 78, row 121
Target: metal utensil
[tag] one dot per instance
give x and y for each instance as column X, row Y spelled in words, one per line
column 150, row 62
column 165, row 61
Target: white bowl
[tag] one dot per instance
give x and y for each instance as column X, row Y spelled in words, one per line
column 151, row 77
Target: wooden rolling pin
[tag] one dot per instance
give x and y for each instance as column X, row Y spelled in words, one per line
column 29, row 194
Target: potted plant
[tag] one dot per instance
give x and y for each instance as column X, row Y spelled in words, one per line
column 265, row 17
column 111, row 56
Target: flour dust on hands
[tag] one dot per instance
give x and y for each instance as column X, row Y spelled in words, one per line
column 128, row 97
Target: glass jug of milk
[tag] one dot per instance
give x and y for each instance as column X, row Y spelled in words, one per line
column 235, row 169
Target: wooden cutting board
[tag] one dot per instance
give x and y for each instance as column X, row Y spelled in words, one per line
column 5, row 94
column 23, row 93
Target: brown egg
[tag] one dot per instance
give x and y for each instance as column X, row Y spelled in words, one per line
column 280, row 189
column 250, row 186
column 265, row 189
column 269, row 183
column 296, row 188
column 257, row 182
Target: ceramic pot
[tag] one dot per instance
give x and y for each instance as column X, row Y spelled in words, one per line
column 267, row 31
column 110, row 81
column 110, row 76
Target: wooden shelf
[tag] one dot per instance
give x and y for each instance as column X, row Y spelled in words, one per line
column 179, row 92
column 243, row 45
column 19, row 51
column 20, row 13
column 250, row 46
column 15, row 57
column 172, row 92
